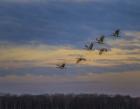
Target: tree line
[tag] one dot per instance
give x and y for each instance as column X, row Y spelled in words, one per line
column 71, row 101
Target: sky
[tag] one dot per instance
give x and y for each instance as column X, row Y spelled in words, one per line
column 36, row 35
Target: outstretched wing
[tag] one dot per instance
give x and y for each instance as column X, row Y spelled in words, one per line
column 102, row 38
column 61, row 66
column 78, row 60
column 117, row 32
column 91, row 46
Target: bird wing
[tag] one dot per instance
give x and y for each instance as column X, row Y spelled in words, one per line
column 91, row 46
column 102, row 38
column 60, row 65
column 63, row 65
column 117, row 32
column 78, row 60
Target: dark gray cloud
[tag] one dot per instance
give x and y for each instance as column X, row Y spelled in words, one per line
column 62, row 22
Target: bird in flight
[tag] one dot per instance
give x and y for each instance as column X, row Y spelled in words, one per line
column 90, row 46
column 102, row 50
column 61, row 66
column 116, row 33
column 80, row 59
column 100, row 40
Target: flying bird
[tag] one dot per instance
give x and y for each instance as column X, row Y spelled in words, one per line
column 100, row 40
column 80, row 59
column 61, row 66
column 90, row 46
column 102, row 50
column 116, row 33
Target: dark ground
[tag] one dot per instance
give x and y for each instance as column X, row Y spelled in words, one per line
column 71, row 101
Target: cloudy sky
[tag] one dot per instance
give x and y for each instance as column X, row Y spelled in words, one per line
column 35, row 35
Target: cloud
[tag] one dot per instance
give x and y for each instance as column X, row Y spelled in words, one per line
column 133, row 34
column 36, row 59
column 75, row 1
column 24, row 1
column 90, row 77
column 36, row 37
column 57, row 23
column 54, row 0
column 38, row 54
column 109, row 83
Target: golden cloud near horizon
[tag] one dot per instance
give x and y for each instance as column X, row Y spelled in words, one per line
column 23, row 57
column 43, row 55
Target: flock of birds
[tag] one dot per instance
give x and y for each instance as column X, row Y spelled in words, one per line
column 90, row 46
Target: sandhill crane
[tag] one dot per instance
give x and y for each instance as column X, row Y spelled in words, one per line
column 100, row 40
column 102, row 50
column 116, row 33
column 80, row 59
column 61, row 66
column 90, row 46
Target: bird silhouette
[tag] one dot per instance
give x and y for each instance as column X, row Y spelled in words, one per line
column 80, row 59
column 61, row 66
column 102, row 50
column 116, row 33
column 90, row 46
column 100, row 40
